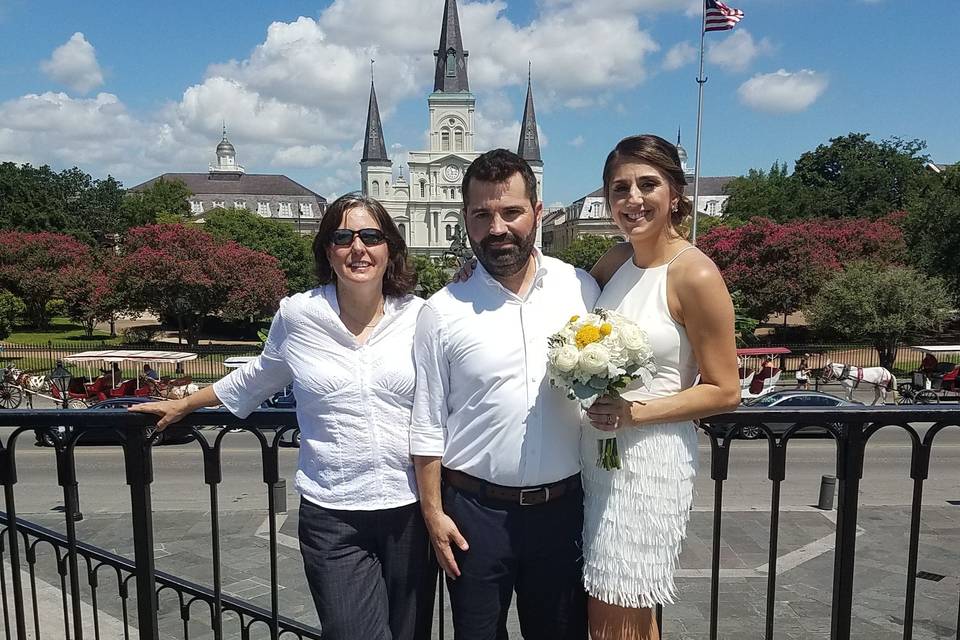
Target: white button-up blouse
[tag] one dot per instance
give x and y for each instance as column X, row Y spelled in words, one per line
column 353, row 401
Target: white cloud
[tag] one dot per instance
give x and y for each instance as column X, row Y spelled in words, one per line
column 74, row 64
column 737, row 51
column 783, row 91
column 577, row 141
column 298, row 99
column 679, row 55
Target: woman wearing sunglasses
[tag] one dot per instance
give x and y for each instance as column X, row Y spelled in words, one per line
column 347, row 346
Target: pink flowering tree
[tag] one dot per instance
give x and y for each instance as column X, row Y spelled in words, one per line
column 779, row 267
column 185, row 274
column 38, row 267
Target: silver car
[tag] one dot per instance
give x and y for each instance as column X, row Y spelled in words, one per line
column 794, row 398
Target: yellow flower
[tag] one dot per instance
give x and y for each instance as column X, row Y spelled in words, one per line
column 605, row 329
column 574, row 319
column 587, row 335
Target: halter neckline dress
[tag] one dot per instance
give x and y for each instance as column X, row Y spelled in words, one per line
column 635, row 518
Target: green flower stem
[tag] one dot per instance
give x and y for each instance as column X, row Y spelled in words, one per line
column 608, row 454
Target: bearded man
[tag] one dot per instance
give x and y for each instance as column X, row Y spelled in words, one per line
column 496, row 447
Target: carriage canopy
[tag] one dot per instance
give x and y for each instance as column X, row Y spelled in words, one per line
column 938, row 348
column 128, row 355
column 763, row 351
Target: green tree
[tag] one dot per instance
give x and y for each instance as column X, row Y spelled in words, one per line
column 273, row 237
column 585, row 251
column 38, row 199
column 431, row 276
column 772, row 194
column 856, row 177
column 884, row 304
column 851, row 176
column 743, row 324
column 11, row 308
column 100, row 208
column 163, row 201
column 31, row 199
column 932, row 229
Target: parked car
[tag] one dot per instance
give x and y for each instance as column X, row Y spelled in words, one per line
column 170, row 435
column 781, row 400
column 283, row 399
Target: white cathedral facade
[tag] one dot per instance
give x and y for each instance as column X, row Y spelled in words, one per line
column 426, row 204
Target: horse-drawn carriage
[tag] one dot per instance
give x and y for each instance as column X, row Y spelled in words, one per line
column 114, row 382
column 934, row 381
column 758, row 375
column 17, row 385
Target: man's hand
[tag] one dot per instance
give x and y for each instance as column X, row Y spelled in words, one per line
column 443, row 533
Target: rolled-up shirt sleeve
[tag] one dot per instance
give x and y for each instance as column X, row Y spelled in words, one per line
column 429, row 419
column 246, row 387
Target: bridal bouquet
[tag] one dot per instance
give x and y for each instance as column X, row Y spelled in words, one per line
column 599, row 354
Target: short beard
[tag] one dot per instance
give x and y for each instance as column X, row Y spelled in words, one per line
column 505, row 261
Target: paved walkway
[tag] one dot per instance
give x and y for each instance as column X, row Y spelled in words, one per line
column 804, row 582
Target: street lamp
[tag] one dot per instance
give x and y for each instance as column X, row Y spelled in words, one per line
column 61, row 377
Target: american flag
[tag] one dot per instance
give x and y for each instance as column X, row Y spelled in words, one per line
column 720, row 17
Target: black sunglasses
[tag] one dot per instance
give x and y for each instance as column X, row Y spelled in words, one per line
column 369, row 237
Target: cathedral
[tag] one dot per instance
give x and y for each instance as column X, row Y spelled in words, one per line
column 426, row 204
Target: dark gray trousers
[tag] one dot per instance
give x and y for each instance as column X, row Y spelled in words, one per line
column 535, row 551
column 371, row 573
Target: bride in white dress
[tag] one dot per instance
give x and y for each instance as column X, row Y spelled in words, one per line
column 635, row 518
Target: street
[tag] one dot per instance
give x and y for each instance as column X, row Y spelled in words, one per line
column 181, row 512
column 182, row 535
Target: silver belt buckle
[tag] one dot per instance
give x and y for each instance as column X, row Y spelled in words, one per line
column 525, row 492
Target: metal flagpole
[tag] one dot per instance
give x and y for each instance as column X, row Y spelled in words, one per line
column 701, row 80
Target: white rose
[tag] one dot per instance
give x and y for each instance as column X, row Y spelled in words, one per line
column 566, row 358
column 594, row 359
column 633, row 337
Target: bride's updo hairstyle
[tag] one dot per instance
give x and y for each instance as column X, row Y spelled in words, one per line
column 655, row 151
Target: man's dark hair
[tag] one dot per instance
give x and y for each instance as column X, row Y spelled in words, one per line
column 399, row 279
column 499, row 165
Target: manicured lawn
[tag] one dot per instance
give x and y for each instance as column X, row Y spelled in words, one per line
column 60, row 330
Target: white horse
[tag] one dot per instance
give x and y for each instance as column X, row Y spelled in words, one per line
column 851, row 377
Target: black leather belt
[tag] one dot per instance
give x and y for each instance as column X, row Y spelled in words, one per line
column 524, row 496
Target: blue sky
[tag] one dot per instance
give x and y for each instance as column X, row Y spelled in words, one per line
column 135, row 89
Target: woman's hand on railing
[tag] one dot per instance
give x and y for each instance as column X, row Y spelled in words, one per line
column 170, row 411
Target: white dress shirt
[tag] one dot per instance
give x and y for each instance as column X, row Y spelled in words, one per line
column 484, row 401
column 353, row 401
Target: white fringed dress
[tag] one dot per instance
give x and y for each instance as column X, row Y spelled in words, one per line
column 635, row 518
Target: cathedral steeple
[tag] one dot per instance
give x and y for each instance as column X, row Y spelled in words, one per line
column 451, row 75
column 529, row 146
column 374, row 148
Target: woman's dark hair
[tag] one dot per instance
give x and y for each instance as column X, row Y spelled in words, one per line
column 655, row 151
column 399, row 279
column 498, row 166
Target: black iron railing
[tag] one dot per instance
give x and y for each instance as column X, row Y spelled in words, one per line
column 850, row 428
column 135, row 437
